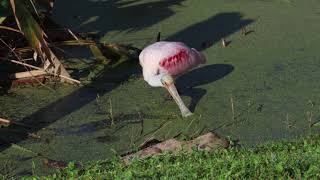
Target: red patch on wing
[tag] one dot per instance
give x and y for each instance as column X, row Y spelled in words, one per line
column 174, row 60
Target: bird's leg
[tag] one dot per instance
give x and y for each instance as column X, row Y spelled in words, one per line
column 168, row 83
column 169, row 97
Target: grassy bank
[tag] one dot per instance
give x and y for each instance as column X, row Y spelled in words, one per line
column 288, row 159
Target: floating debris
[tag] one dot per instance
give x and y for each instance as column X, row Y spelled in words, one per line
column 54, row 164
column 34, row 136
column 207, row 142
column 244, row 31
column 260, row 107
column 58, row 164
column 223, row 42
column 7, row 122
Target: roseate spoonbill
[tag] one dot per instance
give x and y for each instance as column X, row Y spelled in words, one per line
column 163, row 61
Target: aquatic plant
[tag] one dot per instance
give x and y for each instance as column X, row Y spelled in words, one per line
column 27, row 24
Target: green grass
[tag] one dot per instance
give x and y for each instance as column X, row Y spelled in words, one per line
column 287, row 159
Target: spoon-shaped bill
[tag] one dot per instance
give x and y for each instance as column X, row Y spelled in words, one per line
column 174, row 93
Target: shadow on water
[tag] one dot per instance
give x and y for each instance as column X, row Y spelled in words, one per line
column 220, row 25
column 90, row 127
column 4, row 90
column 201, row 76
column 68, row 104
column 105, row 16
column 211, row 30
column 91, row 15
column 204, row 75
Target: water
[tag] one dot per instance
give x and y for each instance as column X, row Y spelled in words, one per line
column 270, row 77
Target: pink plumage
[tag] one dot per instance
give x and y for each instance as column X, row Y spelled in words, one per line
column 173, row 58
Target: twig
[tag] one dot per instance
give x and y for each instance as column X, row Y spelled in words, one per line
column 21, row 63
column 18, row 57
column 309, row 116
column 33, row 135
column 50, row 60
column 6, row 121
column 35, row 67
column 78, row 42
column 232, row 107
column 288, row 123
column 223, row 42
column 31, row 73
column 34, row 8
column 11, row 29
column 72, row 34
column 244, row 31
column 111, row 113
